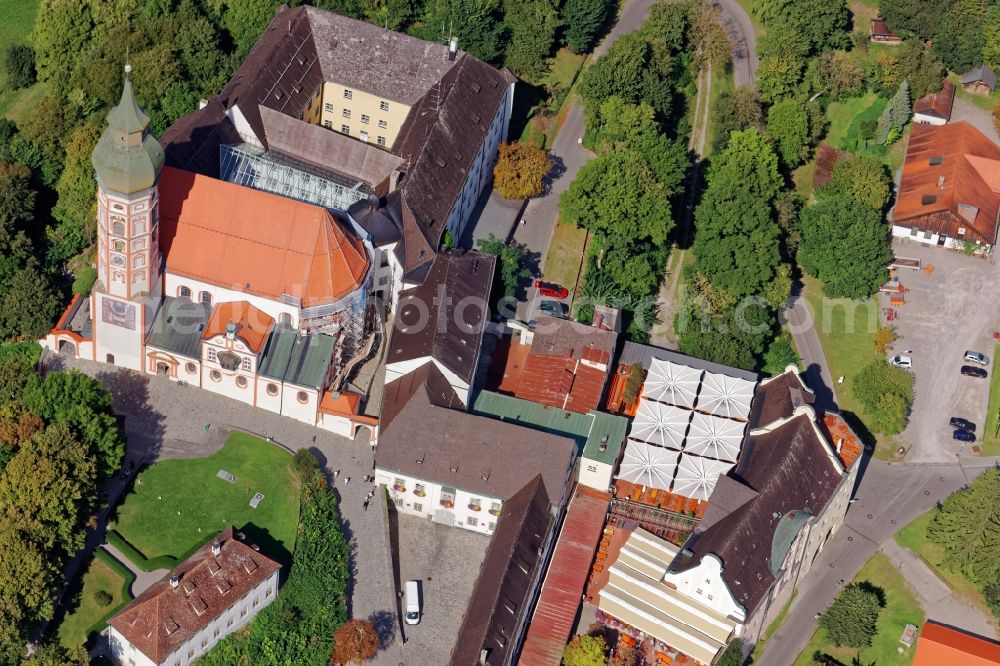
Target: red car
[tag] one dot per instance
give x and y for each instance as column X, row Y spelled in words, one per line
column 551, row 289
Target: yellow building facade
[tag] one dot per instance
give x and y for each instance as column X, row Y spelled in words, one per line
column 356, row 113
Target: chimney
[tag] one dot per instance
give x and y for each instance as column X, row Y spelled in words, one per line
column 599, row 320
column 453, row 48
column 174, row 582
column 202, row 103
column 216, row 548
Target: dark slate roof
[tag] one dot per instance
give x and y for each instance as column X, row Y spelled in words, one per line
column 420, row 436
column 557, row 336
column 506, row 579
column 981, row 73
column 790, row 469
column 382, row 218
column 178, row 326
column 296, row 358
column 192, row 143
column 777, row 398
column 429, row 323
column 633, row 352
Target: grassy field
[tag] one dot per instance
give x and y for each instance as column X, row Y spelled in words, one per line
column 722, row 83
column 564, row 259
column 846, row 118
column 846, row 330
column 914, row 537
column 18, row 17
column 901, row 608
column 104, row 574
column 564, row 69
column 175, row 505
column 990, row 440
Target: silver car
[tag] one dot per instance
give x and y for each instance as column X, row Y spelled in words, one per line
column 976, row 357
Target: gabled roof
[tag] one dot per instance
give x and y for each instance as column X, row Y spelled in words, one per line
column 422, row 436
column 250, row 324
column 256, row 242
column 778, row 397
column 937, row 104
column 442, row 318
column 503, row 591
column 950, row 180
column 790, row 468
column 163, row 618
column 981, row 73
column 940, row 644
column 297, row 358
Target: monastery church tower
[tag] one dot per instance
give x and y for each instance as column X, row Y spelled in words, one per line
column 127, row 161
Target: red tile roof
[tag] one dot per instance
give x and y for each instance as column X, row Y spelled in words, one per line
column 937, row 104
column 841, row 435
column 256, row 242
column 559, row 381
column 253, row 326
column 959, row 191
column 163, row 618
column 555, row 614
column 939, row 644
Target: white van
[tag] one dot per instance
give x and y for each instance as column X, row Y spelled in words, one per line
column 412, row 600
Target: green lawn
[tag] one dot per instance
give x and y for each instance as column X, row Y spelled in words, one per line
column 565, row 256
column 901, row 608
column 914, row 537
column 846, row 118
column 18, row 17
column 104, row 574
column 722, row 83
column 846, row 330
column 176, row 505
column 990, row 440
column 563, row 74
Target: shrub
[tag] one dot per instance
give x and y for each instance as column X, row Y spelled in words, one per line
column 886, row 393
column 355, row 641
column 585, row 651
column 102, row 598
column 520, row 170
column 20, row 65
column 851, row 618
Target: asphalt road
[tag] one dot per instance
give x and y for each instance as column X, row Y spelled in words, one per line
column 889, row 495
column 737, row 23
column 801, row 321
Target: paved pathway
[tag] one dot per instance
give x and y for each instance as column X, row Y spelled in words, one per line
column 143, row 580
column 982, row 119
column 737, row 23
column 934, row 595
column 889, row 495
column 801, row 322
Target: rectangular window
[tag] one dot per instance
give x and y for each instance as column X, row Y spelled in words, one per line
column 247, row 363
column 267, row 593
column 346, row 113
column 383, row 124
column 328, row 124
column 492, row 526
column 418, row 507
column 364, row 136
column 381, row 141
column 243, row 612
column 328, row 107
column 256, row 602
column 138, row 277
column 345, row 129
column 348, row 94
column 211, row 354
column 472, row 521
column 204, row 643
column 383, row 105
column 365, row 119
column 229, row 623
column 215, row 634
column 399, row 502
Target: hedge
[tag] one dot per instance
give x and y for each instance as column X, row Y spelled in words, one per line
column 126, row 592
column 138, row 559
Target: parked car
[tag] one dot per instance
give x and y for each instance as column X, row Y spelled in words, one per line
column 554, row 308
column 964, row 436
column 973, row 371
column 551, row 289
column 412, row 592
column 976, row 357
column 902, row 362
column 962, row 424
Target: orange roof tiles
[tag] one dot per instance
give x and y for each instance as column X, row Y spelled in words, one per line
column 937, row 104
column 163, row 618
column 253, row 326
column 939, row 644
column 837, row 430
column 344, row 404
column 256, row 242
column 559, row 381
column 959, row 192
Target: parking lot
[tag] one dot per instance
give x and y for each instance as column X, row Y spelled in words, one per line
column 529, row 309
column 948, row 310
column 445, row 561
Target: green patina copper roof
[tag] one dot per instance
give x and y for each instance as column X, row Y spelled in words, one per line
column 784, row 536
column 127, row 158
column 297, row 359
column 586, row 429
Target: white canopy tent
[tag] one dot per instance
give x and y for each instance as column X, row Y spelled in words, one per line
column 697, row 476
column 651, row 466
column 663, row 425
column 715, row 437
column 726, row 396
column 672, row 383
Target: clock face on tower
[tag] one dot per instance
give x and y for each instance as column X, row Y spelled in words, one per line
column 118, row 261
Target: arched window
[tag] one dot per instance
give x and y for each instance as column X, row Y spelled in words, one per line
column 215, row 375
column 190, row 367
column 184, row 292
column 205, row 298
column 118, row 227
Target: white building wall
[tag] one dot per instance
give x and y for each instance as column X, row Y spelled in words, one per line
column 124, row 344
column 274, row 308
column 928, row 120
column 301, row 404
column 337, row 424
column 429, row 505
column 704, row 584
column 595, row 474
column 266, row 399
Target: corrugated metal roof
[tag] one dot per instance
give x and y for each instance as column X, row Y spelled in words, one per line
column 555, row 613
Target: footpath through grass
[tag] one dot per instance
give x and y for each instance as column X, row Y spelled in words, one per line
column 901, row 608
column 176, row 505
column 107, row 575
column 914, row 537
column 990, row 438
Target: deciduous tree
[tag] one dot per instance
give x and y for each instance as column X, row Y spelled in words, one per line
column 864, row 178
column 355, row 641
column 585, row 651
column 916, row 17
column 520, row 170
column 845, row 244
column 532, row 25
column 510, row 262
column 735, row 111
column 877, row 380
column 736, row 239
column 820, row 24
column 710, row 39
column 19, row 62
column 29, row 305
column 478, row 24
column 782, row 63
column 788, row 124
